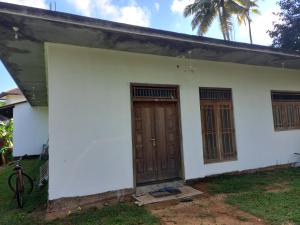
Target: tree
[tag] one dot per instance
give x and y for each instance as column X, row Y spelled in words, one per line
column 244, row 16
column 6, row 139
column 286, row 32
column 205, row 11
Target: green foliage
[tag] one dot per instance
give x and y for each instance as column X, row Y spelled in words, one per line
column 286, row 32
column 119, row 214
column 6, row 140
column 6, row 135
column 253, row 193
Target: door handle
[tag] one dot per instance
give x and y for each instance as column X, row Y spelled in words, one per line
column 153, row 142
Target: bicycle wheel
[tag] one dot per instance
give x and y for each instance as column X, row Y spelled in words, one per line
column 28, row 183
column 19, row 193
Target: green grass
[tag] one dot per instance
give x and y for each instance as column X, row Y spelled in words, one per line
column 251, row 193
column 9, row 212
column 119, row 214
column 252, row 182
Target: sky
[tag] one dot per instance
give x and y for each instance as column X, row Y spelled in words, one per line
column 159, row 14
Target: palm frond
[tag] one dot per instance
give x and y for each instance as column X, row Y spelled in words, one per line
column 204, row 21
column 256, row 11
column 241, row 19
column 247, row 3
column 204, row 12
column 235, row 8
column 195, row 7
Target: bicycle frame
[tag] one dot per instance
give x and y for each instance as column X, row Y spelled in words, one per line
column 20, row 177
column 16, row 182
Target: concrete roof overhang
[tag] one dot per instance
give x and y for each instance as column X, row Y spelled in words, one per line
column 24, row 56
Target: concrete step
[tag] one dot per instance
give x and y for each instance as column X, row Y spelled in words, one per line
column 141, row 190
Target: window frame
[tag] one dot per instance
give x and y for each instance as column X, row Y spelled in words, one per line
column 216, row 106
column 284, row 105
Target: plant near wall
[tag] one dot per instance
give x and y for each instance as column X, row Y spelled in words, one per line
column 6, row 140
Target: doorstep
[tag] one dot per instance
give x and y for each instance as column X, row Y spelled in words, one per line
column 187, row 193
column 142, row 190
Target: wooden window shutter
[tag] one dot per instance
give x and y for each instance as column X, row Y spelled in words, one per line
column 218, row 133
column 286, row 110
column 209, row 132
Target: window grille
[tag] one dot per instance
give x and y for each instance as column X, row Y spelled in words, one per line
column 215, row 94
column 145, row 92
column 286, row 96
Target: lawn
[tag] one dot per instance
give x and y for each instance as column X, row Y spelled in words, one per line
column 119, row 214
column 273, row 196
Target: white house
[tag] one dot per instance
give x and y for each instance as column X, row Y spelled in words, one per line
column 30, row 129
column 8, row 99
column 30, row 123
column 128, row 106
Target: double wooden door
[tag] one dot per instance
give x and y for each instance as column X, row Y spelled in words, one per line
column 157, row 141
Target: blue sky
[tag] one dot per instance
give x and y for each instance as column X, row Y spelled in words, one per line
column 160, row 14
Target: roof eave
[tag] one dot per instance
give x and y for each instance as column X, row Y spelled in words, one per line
column 38, row 26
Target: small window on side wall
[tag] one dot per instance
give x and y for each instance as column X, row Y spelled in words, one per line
column 218, row 133
column 286, row 110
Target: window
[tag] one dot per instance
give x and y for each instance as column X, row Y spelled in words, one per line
column 218, row 132
column 286, row 110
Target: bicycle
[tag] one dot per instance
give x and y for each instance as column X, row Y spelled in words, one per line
column 20, row 183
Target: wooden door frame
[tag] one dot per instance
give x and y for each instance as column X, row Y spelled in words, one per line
column 182, row 168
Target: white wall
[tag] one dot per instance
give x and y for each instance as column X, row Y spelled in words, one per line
column 90, row 115
column 30, row 129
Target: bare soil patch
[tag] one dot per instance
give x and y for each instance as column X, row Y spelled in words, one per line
column 203, row 210
column 278, row 187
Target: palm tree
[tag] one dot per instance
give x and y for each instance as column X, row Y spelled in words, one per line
column 205, row 11
column 244, row 17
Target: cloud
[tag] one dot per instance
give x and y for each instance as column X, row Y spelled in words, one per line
column 156, row 5
column 260, row 25
column 178, row 6
column 131, row 13
column 83, row 7
column 107, row 8
column 33, row 3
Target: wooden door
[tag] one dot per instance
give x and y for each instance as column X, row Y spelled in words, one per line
column 157, row 151
column 167, row 140
column 145, row 155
